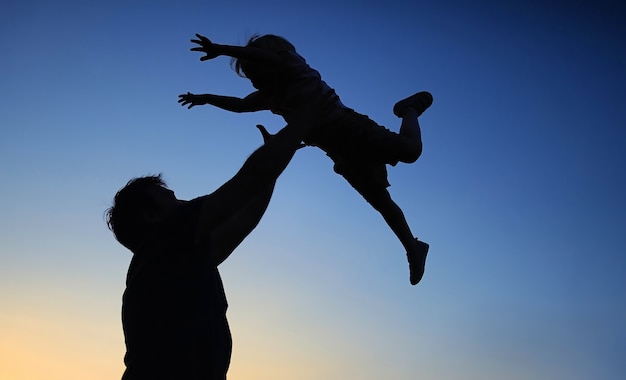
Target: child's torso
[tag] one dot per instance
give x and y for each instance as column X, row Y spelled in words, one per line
column 294, row 87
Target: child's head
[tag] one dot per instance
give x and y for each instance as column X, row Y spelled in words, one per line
column 266, row 41
column 271, row 42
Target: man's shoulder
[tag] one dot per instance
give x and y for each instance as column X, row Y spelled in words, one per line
column 177, row 228
column 188, row 209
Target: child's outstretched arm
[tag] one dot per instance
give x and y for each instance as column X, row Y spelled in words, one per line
column 251, row 103
column 213, row 50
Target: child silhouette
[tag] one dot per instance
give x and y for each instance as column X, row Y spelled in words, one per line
column 360, row 148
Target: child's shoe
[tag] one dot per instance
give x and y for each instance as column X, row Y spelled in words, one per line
column 420, row 102
column 417, row 261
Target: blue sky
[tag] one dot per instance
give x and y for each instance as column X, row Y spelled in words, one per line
column 519, row 191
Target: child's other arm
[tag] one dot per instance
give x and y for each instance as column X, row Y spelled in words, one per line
column 251, row 103
column 213, row 50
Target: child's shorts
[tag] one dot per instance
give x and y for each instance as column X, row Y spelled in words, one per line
column 356, row 138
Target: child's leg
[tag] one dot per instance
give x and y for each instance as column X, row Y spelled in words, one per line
column 410, row 130
column 371, row 183
column 410, row 127
column 393, row 215
column 416, row 250
column 405, row 146
column 409, row 110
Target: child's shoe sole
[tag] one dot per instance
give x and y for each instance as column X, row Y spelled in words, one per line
column 420, row 102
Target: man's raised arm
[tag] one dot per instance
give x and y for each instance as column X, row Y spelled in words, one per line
column 245, row 196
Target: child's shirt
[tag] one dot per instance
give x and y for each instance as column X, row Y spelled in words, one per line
column 294, row 85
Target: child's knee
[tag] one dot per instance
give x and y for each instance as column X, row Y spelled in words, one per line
column 379, row 200
column 412, row 153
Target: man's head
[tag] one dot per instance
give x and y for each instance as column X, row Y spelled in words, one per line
column 137, row 207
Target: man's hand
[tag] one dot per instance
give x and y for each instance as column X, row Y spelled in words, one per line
column 191, row 99
column 268, row 136
column 206, row 46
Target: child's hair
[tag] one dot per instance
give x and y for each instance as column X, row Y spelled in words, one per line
column 266, row 41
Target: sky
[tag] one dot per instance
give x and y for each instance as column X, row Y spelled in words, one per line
column 519, row 190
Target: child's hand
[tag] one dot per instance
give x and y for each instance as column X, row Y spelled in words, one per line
column 206, row 46
column 191, row 99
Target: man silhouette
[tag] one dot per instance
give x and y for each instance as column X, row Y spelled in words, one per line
column 174, row 306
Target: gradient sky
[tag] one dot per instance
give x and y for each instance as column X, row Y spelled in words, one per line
column 520, row 189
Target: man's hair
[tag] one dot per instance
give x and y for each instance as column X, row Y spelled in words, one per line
column 266, row 41
column 131, row 203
